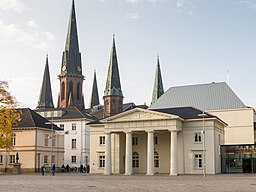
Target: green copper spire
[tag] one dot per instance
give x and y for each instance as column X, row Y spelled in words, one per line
column 71, row 59
column 158, row 89
column 45, row 98
column 95, row 95
column 113, row 85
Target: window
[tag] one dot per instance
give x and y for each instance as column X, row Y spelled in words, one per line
column 46, row 140
column 13, row 139
column 45, row 159
column 198, row 161
column 12, row 159
column 73, row 144
column 53, row 158
column 73, row 126
column 78, row 91
column 1, row 159
column 198, row 137
column 155, row 140
column 102, row 160
column 156, row 159
column 62, row 90
column 135, row 141
column 73, row 159
column 102, row 140
column 135, row 159
column 54, row 140
column 62, row 126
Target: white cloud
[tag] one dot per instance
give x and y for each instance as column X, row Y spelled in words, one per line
column 15, row 5
column 250, row 4
column 133, row 1
column 185, row 6
column 32, row 24
column 29, row 35
column 132, row 15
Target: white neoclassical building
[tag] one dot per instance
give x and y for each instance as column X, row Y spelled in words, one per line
column 157, row 141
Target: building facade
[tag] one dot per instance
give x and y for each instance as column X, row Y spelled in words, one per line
column 149, row 142
column 36, row 141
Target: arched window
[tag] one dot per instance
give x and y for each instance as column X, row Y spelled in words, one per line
column 62, row 90
column 156, row 159
column 78, row 91
column 135, row 159
column 70, row 86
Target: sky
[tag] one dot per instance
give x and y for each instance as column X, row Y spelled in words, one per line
column 198, row 41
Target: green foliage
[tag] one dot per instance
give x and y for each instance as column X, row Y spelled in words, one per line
column 9, row 116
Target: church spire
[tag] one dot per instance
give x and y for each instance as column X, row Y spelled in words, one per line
column 71, row 60
column 158, row 89
column 113, row 96
column 71, row 78
column 45, row 98
column 95, row 95
column 113, row 85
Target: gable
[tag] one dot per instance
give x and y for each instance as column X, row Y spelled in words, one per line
column 139, row 115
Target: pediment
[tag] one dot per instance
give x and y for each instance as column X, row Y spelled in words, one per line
column 139, row 115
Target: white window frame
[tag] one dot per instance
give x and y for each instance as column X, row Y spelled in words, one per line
column 198, row 161
column 73, row 159
column 198, row 137
column 73, row 143
column 46, row 140
column 135, row 140
column 54, row 140
column 11, row 159
column 13, row 139
column 73, row 127
column 135, row 160
column 102, row 160
column 45, row 159
column 102, row 140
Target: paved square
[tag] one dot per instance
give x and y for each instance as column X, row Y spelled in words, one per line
column 81, row 182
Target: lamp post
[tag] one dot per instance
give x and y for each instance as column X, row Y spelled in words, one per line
column 51, row 138
column 203, row 115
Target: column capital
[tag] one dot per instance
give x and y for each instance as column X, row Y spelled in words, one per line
column 127, row 132
column 149, row 131
column 171, row 130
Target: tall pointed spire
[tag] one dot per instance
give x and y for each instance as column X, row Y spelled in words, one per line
column 158, row 89
column 113, row 85
column 71, row 78
column 95, row 95
column 113, row 96
column 45, row 98
column 71, row 60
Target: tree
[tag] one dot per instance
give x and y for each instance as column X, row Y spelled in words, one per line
column 9, row 116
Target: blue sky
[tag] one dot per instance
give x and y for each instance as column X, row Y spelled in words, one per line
column 198, row 41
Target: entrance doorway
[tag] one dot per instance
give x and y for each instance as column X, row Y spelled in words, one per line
column 247, row 165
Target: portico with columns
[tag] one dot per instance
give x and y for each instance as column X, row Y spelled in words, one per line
column 149, row 142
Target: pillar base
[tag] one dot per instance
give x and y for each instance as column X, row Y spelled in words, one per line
column 128, row 174
column 16, row 168
column 150, row 174
column 173, row 174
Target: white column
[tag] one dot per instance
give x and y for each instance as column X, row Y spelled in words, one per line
column 128, row 154
column 150, row 155
column 107, row 170
column 174, row 154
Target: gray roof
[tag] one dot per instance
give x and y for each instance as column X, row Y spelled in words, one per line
column 212, row 96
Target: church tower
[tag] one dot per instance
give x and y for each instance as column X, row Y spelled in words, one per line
column 158, row 89
column 71, row 78
column 45, row 98
column 95, row 94
column 113, row 96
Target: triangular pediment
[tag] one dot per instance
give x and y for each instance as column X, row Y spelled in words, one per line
column 138, row 114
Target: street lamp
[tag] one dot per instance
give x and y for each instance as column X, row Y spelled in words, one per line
column 51, row 138
column 203, row 115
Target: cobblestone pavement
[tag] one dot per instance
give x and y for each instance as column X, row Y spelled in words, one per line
column 115, row 183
